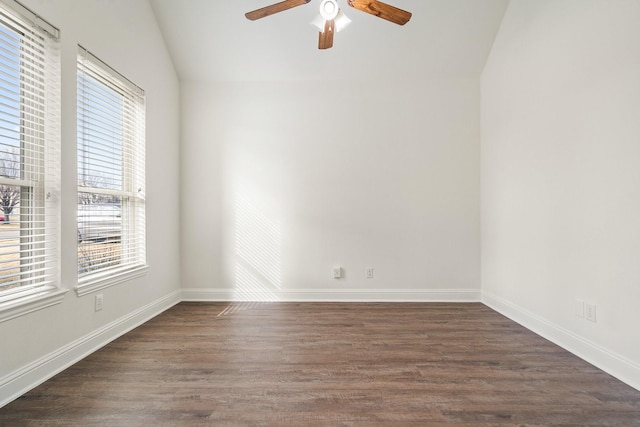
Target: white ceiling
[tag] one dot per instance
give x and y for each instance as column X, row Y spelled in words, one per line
column 211, row 40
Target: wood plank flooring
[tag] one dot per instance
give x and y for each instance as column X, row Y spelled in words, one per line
column 329, row 364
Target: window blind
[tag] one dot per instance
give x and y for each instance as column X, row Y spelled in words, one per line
column 29, row 153
column 111, row 170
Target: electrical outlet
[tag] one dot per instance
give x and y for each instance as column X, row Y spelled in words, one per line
column 590, row 312
column 370, row 273
column 99, row 300
column 337, row 272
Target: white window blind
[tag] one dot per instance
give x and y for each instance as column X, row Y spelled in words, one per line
column 29, row 154
column 111, row 171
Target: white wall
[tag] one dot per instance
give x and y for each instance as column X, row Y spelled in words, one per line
column 124, row 34
column 282, row 181
column 560, row 175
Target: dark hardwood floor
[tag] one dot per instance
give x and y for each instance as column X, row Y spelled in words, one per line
column 333, row 364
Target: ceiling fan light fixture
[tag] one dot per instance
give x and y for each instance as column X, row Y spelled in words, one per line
column 329, row 9
column 341, row 22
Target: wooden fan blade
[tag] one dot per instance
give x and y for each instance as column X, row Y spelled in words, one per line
column 326, row 38
column 274, row 8
column 382, row 10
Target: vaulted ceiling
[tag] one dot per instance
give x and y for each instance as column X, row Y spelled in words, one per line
column 211, row 40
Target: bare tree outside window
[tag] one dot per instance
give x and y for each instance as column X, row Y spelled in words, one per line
column 94, row 181
column 9, row 194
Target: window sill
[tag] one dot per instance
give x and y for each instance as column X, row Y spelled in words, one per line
column 31, row 301
column 107, row 279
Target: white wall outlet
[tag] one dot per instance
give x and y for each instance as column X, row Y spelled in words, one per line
column 99, row 301
column 590, row 312
column 579, row 308
column 370, row 273
column 337, row 272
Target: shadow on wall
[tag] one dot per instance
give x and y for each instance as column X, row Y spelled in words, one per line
column 258, row 254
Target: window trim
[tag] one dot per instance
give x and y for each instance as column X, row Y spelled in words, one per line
column 31, row 300
column 133, row 191
column 22, row 302
column 106, row 279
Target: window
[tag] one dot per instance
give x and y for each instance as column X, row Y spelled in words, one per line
column 29, row 159
column 111, row 198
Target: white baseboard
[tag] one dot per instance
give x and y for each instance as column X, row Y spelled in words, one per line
column 614, row 364
column 343, row 295
column 19, row 382
column 15, row 384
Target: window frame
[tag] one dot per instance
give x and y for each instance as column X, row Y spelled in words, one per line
column 133, row 212
column 39, row 205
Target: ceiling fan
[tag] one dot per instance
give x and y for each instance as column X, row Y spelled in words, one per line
column 331, row 18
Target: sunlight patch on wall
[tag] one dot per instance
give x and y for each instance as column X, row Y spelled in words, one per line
column 258, row 254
